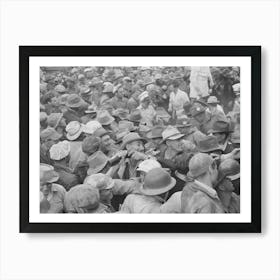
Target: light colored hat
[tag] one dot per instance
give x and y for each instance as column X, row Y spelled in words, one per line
column 43, row 116
column 74, row 130
column 97, row 162
column 60, row 89
column 81, row 77
column 50, row 134
column 91, row 127
column 89, row 69
column 81, row 198
column 60, row 150
column 212, row 100
column 91, row 109
column 199, row 164
column 63, row 98
column 130, row 137
column 143, row 96
column 157, row 181
column 171, row 133
column 104, row 117
column 74, row 101
column 107, row 87
column 47, row 174
column 100, row 181
column 148, row 164
column 236, row 88
column 90, row 144
column 54, row 119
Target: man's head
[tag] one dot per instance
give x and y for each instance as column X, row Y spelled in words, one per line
column 133, row 143
column 198, row 112
column 203, row 166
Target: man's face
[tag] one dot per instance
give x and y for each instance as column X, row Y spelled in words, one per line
column 46, row 188
column 106, row 141
column 226, row 186
column 175, row 145
column 135, row 146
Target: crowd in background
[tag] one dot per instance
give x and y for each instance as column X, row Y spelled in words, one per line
column 139, row 140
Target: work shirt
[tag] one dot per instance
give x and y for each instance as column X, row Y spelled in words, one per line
column 55, row 198
column 177, row 101
column 200, row 198
column 147, row 115
column 173, row 204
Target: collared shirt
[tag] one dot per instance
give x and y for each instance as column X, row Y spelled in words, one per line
column 173, row 204
column 200, row 198
column 147, row 115
column 138, row 203
column 177, row 101
column 55, row 198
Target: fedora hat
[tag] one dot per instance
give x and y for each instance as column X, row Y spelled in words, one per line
column 220, row 127
column 85, row 91
column 196, row 110
column 54, row 119
column 60, row 89
column 171, row 133
column 121, row 113
column 156, row 132
column 50, row 134
column 95, row 82
column 126, row 125
column 157, row 181
column 135, row 116
column 107, row 87
column 97, row 162
column 183, row 122
column 100, row 132
column 104, row 117
column 91, row 109
column 230, row 168
column 60, row 150
column 100, row 181
column 91, row 127
column 62, row 99
column 47, row 174
column 130, row 137
column 213, row 100
column 147, row 81
column 74, row 101
column 199, row 164
column 208, row 144
column 90, row 144
column 74, row 130
column 148, row 164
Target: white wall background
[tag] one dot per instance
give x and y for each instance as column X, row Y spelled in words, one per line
column 138, row 256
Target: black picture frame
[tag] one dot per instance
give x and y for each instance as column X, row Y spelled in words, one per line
column 25, row 52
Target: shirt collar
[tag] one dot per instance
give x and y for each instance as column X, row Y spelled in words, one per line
column 204, row 188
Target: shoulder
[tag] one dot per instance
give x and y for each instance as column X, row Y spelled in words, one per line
column 58, row 188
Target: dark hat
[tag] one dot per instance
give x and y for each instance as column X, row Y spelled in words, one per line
column 183, row 122
column 230, row 168
column 50, row 134
column 157, row 181
column 100, row 132
column 104, row 117
column 135, row 116
column 54, row 119
column 130, row 137
column 97, row 162
column 220, row 127
column 121, row 113
column 208, row 144
column 74, row 101
column 196, row 110
column 90, row 144
column 156, row 132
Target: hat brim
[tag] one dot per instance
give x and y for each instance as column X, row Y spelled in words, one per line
column 54, row 136
column 108, row 122
column 92, row 171
column 135, row 139
column 74, row 136
column 175, row 137
column 90, row 112
column 79, row 104
column 150, row 192
column 233, row 177
column 150, row 136
column 180, row 176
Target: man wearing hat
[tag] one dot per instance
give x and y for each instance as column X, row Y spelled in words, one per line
column 134, row 144
column 107, row 93
column 119, row 100
column 199, row 195
column 56, row 121
column 228, row 187
column 51, row 194
column 147, row 111
column 59, row 153
column 214, row 108
column 154, row 192
column 75, row 108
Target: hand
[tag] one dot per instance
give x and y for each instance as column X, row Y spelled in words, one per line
column 138, row 156
column 121, row 153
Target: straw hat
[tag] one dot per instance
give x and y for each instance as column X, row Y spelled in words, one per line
column 104, row 117
column 47, row 174
column 148, row 164
column 74, row 101
column 157, row 181
column 91, row 127
column 60, row 150
column 100, row 181
column 60, row 89
column 130, row 137
column 171, row 133
column 74, row 130
column 199, row 164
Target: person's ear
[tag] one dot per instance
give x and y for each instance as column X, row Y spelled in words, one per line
column 221, row 187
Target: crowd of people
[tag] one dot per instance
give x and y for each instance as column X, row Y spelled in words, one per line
column 139, row 140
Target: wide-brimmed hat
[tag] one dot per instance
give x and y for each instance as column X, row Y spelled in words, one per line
column 90, row 144
column 47, row 174
column 171, row 133
column 208, row 144
column 74, row 101
column 157, row 181
column 155, row 132
column 108, row 87
column 97, row 162
column 60, row 150
column 95, row 81
column 100, row 181
column 54, row 119
column 144, row 95
column 91, row 109
column 126, row 125
column 101, row 131
column 60, row 89
column 74, row 130
column 147, row 81
column 50, row 134
column 62, row 99
column 43, row 116
column 220, row 127
column 196, row 110
column 235, row 137
column 91, row 126
column 135, row 116
column 121, row 113
column 148, row 164
column 104, row 117
column 85, row 91
column 199, row 164
column 183, row 122
column 212, row 100
column 230, row 168
column 130, row 137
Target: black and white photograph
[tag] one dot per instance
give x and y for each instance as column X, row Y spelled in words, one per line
column 140, row 139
